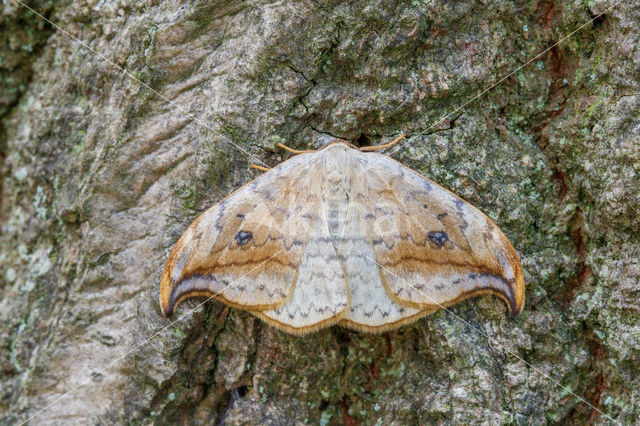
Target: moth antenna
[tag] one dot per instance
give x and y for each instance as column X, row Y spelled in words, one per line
column 295, row 151
column 263, row 169
column 386, row 145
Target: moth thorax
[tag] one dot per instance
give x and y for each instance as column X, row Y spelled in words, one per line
column 336, row 188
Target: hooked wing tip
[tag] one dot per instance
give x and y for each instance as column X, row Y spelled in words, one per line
column 165, row 306
column 516, row 296
column 516, row 307
column 166, row 309
column 514, row 279
column 167, row 294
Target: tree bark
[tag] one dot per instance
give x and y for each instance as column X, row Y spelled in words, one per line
column 101, row 171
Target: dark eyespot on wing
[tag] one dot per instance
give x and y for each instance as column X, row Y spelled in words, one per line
column 243, row 237
column 438, row 238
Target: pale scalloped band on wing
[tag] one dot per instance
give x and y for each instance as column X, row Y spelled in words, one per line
column 320, row 293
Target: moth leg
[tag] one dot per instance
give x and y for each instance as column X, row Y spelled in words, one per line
column 263, row 169
column 295, row 151
column 386, row 145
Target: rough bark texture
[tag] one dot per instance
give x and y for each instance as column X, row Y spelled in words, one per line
column 100, row 176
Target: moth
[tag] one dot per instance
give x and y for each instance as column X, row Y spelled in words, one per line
column 342, row 235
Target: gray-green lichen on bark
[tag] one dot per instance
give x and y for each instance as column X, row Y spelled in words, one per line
column 100, row 176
